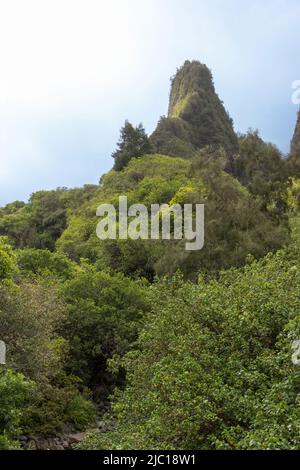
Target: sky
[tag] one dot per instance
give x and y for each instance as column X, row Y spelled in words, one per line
column 72, row 71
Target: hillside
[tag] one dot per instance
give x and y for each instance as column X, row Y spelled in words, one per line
column 295, row 144
column 236, row 224
column 245, row 207
column 194, row 347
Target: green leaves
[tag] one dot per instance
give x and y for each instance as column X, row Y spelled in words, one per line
column 7, row 260
column 105, row 313
column 213, row 366
column 14, row 393
column 133, row 143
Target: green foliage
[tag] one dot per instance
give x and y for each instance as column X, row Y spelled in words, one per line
column 7, row 260
column 295, row 144
column 58, row 404
column 236, row 224
column 212, row 368
column 149, row 179
column 293, row 195
column 16, row 225
column 105, row 314
column 31, row 317
column 14, row 392
column 261, row 168
column 40, row 223
column 202, row 358
column 79, row 238
column 80, row 411
column 44, row 262
column 133, row 143
column 171, row 137
column 37, row 224
column 48, row 216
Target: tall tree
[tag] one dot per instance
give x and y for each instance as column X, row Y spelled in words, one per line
column 133, row 143
column 295, row 144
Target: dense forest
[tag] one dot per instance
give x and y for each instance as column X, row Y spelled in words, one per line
column 139, row 343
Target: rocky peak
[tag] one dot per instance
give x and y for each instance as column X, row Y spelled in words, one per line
column 190, row 80
column 295, row 144
column 196, row 115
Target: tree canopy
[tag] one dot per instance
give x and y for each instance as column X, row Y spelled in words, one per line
column 133, row 143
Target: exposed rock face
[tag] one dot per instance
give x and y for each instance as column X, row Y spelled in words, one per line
column 196, row 116
column 63, row 441
column 295, row 144
column 60, row 442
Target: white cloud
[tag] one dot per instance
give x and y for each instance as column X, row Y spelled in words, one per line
column 51, row 50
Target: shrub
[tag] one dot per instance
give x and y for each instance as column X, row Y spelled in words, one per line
column 212, row 368
column 14, row 393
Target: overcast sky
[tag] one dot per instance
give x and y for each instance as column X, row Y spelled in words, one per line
column 71, row 72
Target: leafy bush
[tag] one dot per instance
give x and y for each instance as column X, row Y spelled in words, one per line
column 14, row 392
column 235, row 223
column 31, row 317
column 80, row 411
column 133, row 143
column 105, row 314
column 212, row 368
column 57, row 405
column 44, row 262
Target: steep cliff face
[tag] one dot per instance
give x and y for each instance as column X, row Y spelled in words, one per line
column 295, row 144
column 196, row 115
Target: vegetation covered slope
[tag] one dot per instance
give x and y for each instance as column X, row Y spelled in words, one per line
column 240, row 219
column 212, row 367
column 196, row 116
column 61, row 322
column 196, row 345
column 295, row 144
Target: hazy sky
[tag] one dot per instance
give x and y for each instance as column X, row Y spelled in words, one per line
column 71, row 72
